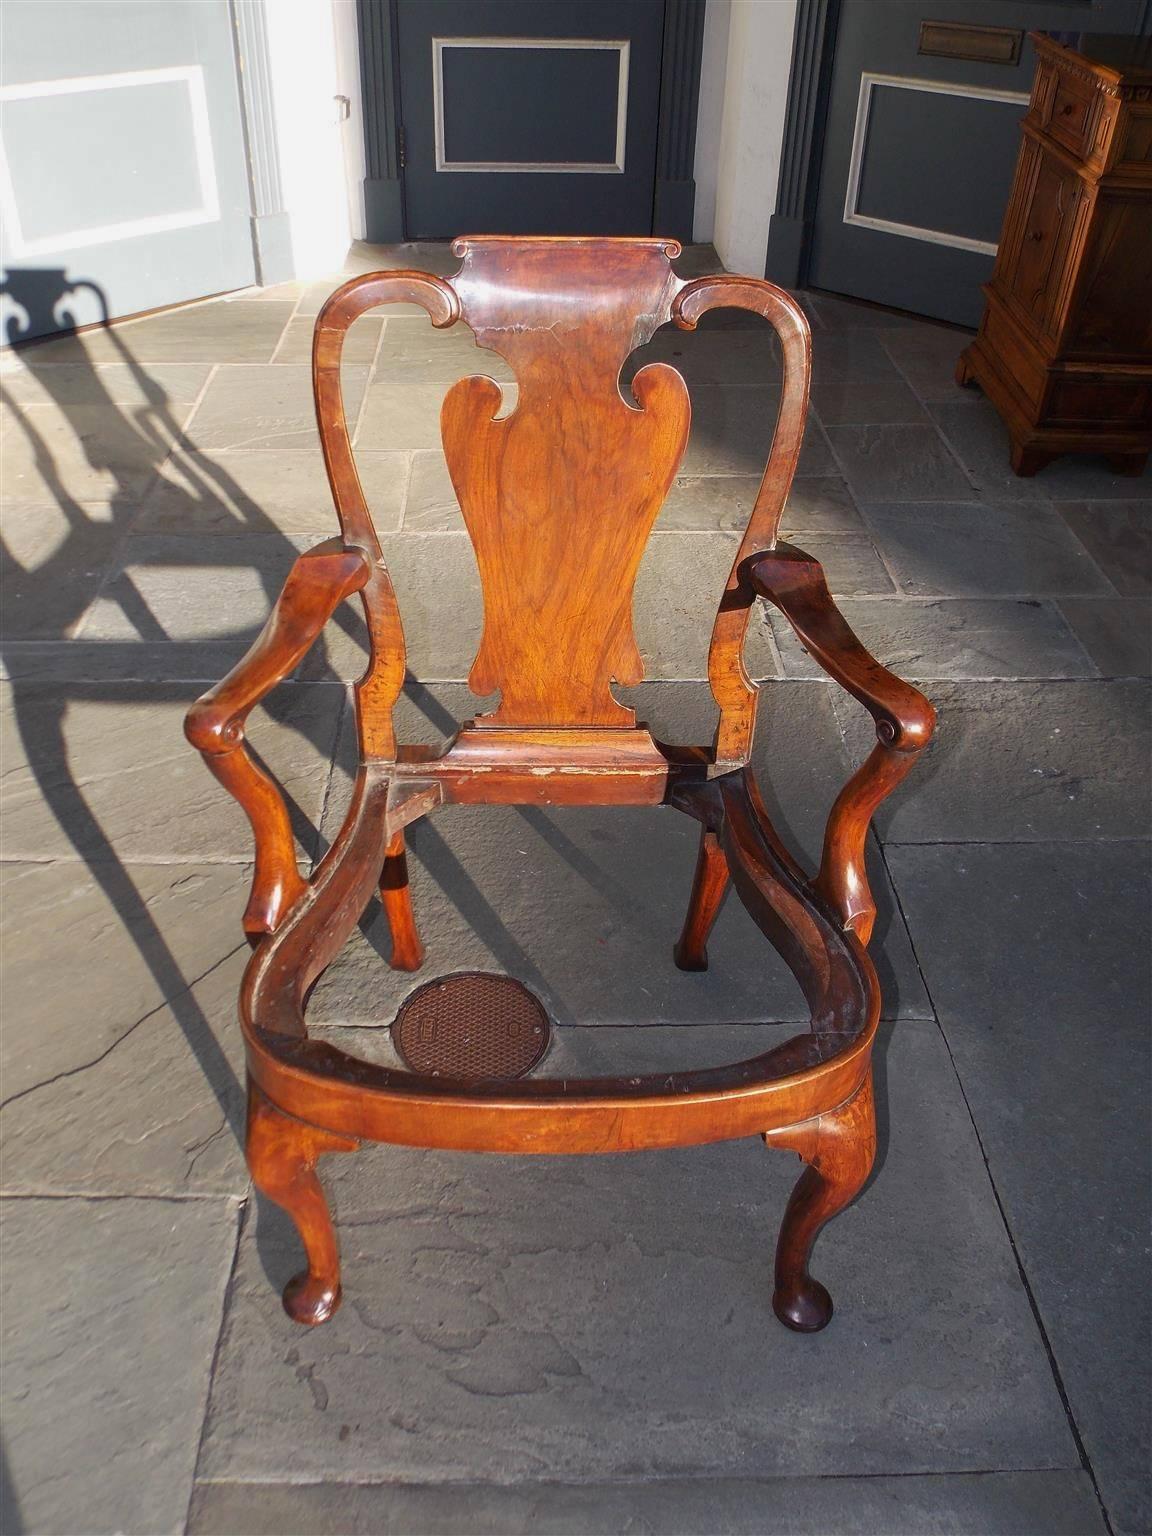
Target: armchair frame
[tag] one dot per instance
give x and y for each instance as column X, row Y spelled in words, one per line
column 559, row 498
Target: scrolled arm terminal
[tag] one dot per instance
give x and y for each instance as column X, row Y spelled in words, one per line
column 317, row 584
column 794, row 582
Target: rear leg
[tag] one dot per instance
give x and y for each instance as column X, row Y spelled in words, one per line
column 396, row 898
column 709, row 886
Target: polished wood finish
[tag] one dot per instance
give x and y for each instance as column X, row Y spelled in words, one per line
column 282, row 1155
column 1064, row 350
column 839, row 1148
column 559, row 514
column 732, row 688
column 396, row 899
column 559, row 498
column 709, row 886
column 317, row 584
column 905, row 720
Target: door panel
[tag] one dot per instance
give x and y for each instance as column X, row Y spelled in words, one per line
column 529, row 116
column 123, row 180
column 936, row 160
column 920, row 149
column 483, row 88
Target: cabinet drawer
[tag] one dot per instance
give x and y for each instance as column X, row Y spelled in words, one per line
column 1069, row 114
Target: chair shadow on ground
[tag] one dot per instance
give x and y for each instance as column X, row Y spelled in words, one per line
column 45, row 601
column 11, row 1515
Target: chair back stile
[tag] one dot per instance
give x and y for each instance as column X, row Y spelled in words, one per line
column 379, row 688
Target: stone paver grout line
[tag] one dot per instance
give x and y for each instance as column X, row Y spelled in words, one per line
column 409, row 466
column 908, row 380
column 992, row 596
column 244, row 1208
column 1141, row 497
column 961, row 597
column 287, row 326
column 1085, row 1459
column 374, row 365
column 768, row 634
column 1089, row 556
column 180, row 442
column 169, row 680
column 150, row 860
column 107, row 1196
column 369, row 379
column 909, row 675
column 1053, row 603
column 318, row 834
column 1049, row 602
column 865, row 524
column 977, row 491
column 973, row 398
column 80, row 680
column 931, row 421
column 115, row 564
column 638, row 1481
column 86, row 1066
column 1016, row 842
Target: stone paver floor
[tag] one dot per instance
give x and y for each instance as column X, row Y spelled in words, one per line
column 570, row 1345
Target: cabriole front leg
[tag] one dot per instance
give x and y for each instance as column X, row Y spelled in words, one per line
column 839, row 1148
column 282, row 1154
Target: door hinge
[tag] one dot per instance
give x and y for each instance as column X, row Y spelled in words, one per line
column 401, row 147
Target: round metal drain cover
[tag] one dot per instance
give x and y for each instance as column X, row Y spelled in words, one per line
column 471, row 1025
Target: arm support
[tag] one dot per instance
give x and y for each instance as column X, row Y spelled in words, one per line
column 317, row 584
column 794, row 582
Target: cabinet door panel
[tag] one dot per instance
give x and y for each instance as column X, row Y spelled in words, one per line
column 1038, row 256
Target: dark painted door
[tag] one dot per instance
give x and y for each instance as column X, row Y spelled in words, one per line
column 920, row 148
column 529, row 116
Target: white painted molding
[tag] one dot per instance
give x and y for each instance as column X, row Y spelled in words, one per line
column 190, row 76
column 614, row 167
column 710, row 116
column 852, row 214
column 755, row 107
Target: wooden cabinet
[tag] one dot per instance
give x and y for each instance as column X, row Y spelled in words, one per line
column 1064, row 350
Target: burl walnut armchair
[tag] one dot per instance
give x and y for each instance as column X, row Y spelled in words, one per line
column 559, row 498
